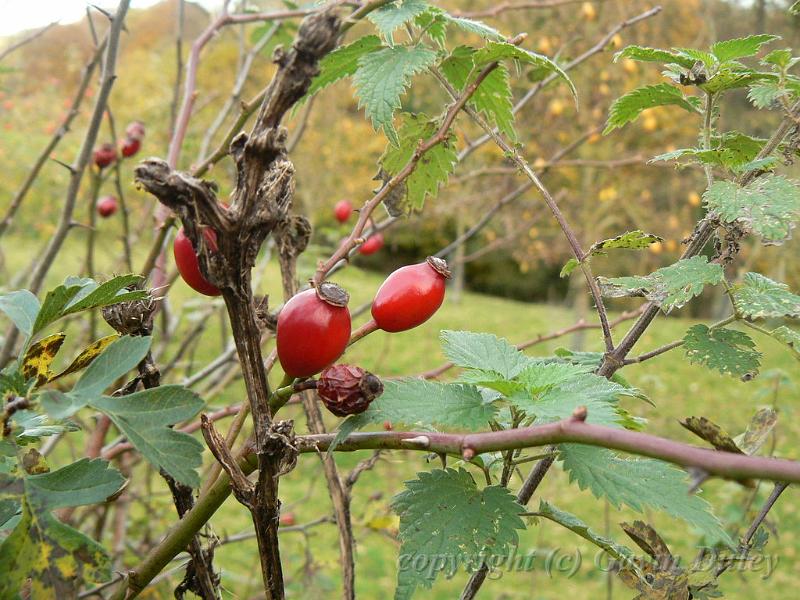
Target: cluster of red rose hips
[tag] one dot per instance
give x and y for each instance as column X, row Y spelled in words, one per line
column 342, row 211
column 106, row 155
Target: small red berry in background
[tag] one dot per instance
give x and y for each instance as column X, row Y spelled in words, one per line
column 372, row 245
column 188, row 264
column 130, row 146
column 410, row 295
column 107, row 206
column 313, row 330
column 287, row 519
column 342, row 211
column 135, row 130
column 347, row 390
column 105, row 155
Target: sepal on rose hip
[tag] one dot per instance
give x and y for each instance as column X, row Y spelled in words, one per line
column 347, row 389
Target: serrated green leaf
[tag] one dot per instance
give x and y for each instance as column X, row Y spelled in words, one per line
column 729, row 79
column 144, row 418
column 759, row 297
column 627, row 108
column 631, row 240
column 781, row 58
column 396, row 14
column 640, row 483
column 741, row 47
column 768, row 206
column 732, row 150
column 669, row 287
column 789, row 337
column 617, row 551
column 342, row 62
column 115, row 361
column 765, row 94
column 443, row 513
column 57, row 560
column 497, row 51
column 382, row 77
column 728, row 351
column 432, row 170
column 21, row 307
column 483, row 351
column 645, row 54
column 493, row 97
column 434, row 23
column 87, row 481
column 477, row 27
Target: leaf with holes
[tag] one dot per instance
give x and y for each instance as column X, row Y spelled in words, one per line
column 640, row 483
column 669, row 287
column 382, row 77
column 627, row 108
column 768, row 206
column 728, row 351
column 630, row 240
column 759, row 297
column 443, row 513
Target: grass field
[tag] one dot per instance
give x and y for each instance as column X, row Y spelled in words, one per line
column 677, row 388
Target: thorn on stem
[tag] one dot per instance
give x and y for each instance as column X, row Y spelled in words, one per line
column 423, row 441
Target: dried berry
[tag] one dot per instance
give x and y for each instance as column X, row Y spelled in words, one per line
column 348, row 390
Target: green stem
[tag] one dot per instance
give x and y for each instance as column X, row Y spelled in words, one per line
column 709, row 112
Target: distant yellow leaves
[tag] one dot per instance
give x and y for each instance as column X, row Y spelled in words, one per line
column 608, row 194
column 588, row 11
column 694, row 199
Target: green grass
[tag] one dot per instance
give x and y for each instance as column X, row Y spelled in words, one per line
column 677, row 388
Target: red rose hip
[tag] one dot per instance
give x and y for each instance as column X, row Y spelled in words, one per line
column 107, row 206
column 313, row 330
column 372, row 245
column 130, row 146
column 105, row 155
column 410, row 295
column 188, row 264
column 342, row 211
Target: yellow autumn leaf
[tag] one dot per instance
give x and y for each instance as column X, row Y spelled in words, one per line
column 37, row 360
column 86, row 357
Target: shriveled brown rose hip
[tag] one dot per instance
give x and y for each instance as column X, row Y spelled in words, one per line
column 348, row 390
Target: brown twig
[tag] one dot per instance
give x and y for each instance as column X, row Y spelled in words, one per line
column 26, row 40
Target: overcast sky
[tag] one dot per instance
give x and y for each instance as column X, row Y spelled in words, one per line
column 16, row 15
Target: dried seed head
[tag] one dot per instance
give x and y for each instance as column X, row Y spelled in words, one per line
column 333, row 294
column 348, row 390
column 131, row 318
column 439, row 265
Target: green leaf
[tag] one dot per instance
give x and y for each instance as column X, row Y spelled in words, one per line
column 383, row 76
column 729, row 79
column 627, row 108
column 741, row 47
column 342, row 63
column 57, row 559
column 781, row 58
column 669, row 287
column 789, row 337
column 493, row 97
column 764, row 94
column 144, row 418
column 432, row 170
column 645, row 54
column 483, row 351
column 631, row 240
column 115, row 361
column 87, row 481
column 617, row 551
column 33, row 426
column 728, row 351
column 795, row 8
column 639, row 484
column 95, row 295
column 434, row 22
column 477, row 27
column 497, row 51
column 768, row 206
column 396, row 14
column 759, row 297
column 444, row 514
column 21, row 307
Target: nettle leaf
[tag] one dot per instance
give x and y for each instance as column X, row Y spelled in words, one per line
column 85, row 358
column 782, row 58
column 21, row 307
column 443, row 513
column 483, row 351
column 732, row 150
column 669, row 287
column 789, row 337
column 631, row 240
column 396, row 14
column 144, row 418
column 493, row 97
column 764, row 94
column 640, row 483
column 383, row 76
column 57, row 559
column 768, row 206
column 728, row 351
column 627, row 108
column 342, row 62
column 741, row 47
column 759, row 297
column 497, row 51
column 477, row 27
column 617, row 551
column 432, row 170
column 434, row 23
column 39, row 356
column 645, row 54
column 729, row 79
